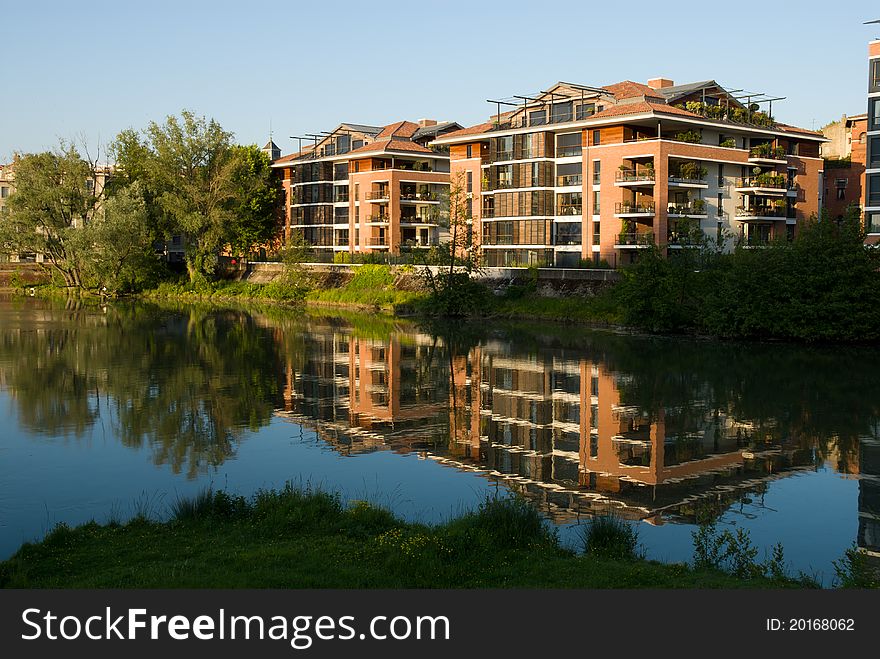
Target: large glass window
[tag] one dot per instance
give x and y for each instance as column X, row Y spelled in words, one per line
column 874, row 152
column 584, row 110
column 504, row 148
column 874, row 79
column 537, row 117
column 872, row 222
column 568, row 233
column 874, row 114
column 873, row 185
column 568, row 145
column 561, row 112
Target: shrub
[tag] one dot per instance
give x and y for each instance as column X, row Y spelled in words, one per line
column 608, row 536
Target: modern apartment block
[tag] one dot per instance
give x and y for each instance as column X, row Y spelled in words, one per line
column 362, row 188
column 872, row 171
column 845, row 155
column 579, row 173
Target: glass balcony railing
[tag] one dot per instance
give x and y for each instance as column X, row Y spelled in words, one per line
column 760, row 211
column 637, row 238
column 626, row 208
column 569, row 180
column 568, row 151
column 772, row 181
column 570, row 209
column 633, row 176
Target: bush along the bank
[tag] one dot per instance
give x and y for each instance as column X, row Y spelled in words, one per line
column 303, row 538
column 821, row 286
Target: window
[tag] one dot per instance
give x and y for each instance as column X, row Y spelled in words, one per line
column 597, row 137
column 343, row 143
column 720, row 174
column 4, row 192
column 568, row 144
column 840, row 186
column 720, row 209
column 470, row 181
column 595, row 202
column 872, row 222
column 874, row 81
column 585, row 110
column 597, row 169
column 561, row 112
column 504, row 148
column 874, row 114
column 873, row 185
column 874, row 152
column 470, row 151
column 357, row 144
column 537, row 118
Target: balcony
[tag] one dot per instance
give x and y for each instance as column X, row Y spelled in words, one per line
column 767, row 154
column 693, row 209
column 626, row 209
column 760, row 213
column 570, row 210
column 569, row 180
column 418, row 197
column 685, row 239
column 636, row 239
column 568, row 151
column 378, row 242
column 377, row 219
column 681, row 181
column 762, row 184
column 632, row 177
column 379, row 195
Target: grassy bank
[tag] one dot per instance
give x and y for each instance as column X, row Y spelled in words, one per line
column 302, row 539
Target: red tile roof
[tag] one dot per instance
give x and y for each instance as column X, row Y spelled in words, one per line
column 292, row 156
column 640, row 108
column 630, row 89
column 381, row 146
column 794, row 129
column 471, row 130
column 399, row 129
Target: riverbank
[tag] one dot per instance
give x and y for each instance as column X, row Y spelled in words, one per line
column 303, row 539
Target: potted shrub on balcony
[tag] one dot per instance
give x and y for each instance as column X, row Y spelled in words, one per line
column 690, row 136
column 699, row 206
column 729, row 143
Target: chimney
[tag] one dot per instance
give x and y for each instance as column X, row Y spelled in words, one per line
column 424, row 123
column 660, row 83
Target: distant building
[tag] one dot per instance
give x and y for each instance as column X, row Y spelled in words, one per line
column 844, row 155
column 872, row 172
column 361, row 188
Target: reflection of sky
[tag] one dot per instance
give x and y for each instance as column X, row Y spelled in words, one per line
column 813, row 514
column 46, row 480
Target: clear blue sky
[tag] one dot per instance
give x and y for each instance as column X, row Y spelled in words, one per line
column 93, row 68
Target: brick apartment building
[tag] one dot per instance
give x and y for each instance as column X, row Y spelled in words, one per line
column 580, row 173
column 872, row 172
column 362, row 188
column 845, row 159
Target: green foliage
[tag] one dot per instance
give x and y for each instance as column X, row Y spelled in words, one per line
column 691, row 136
column 199, row 185
column 854, row 570
column 609, row 536
column 729, row 143
column 371, row 285
column 734, row 553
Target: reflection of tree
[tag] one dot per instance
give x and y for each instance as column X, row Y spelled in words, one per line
column 187, row 386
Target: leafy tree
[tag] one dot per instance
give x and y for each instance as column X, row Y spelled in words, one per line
column 453, row 292
column 201, row 186
column 257, row 199
column 56, row 194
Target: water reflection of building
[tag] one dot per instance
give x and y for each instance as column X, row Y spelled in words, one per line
column 561, row 429
column 362, row 394
column 869, row 495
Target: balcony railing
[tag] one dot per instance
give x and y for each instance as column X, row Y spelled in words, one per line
column 570, row 209
column 777, row 182
column 686, row 180
column 568, row 151
column 761, row 211
column 627, row 208
column 686, row 209
column 418, row 196
column 632, row 176
column 378, row 194
column 377, row 218
column 635, row 238
column 569, row 180
column 568, row 240
column 378, row 242
column 767, row 152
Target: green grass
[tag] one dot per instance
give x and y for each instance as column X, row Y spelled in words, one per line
column 371, row 285
column 600, row 309
column 309, row 539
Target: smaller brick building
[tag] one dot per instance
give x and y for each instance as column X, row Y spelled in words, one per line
column 845, row 158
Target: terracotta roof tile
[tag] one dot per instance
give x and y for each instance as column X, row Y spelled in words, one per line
column 381, row 146
column 794, row 129
column 630, row 89
column 471, row 130
column 398, row 129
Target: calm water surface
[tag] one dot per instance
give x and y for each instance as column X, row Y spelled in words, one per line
column 112, row 411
